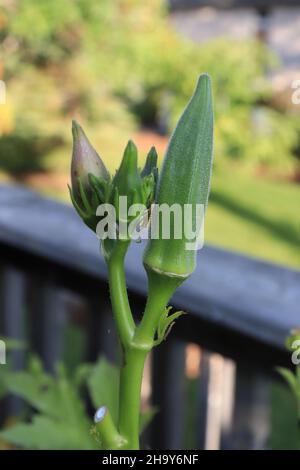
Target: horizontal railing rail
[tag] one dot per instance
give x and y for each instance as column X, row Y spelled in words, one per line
column 240, row 307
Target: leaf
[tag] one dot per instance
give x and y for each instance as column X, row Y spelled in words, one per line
column 72, row 406
column 46, row 433
column 165, row 324
column 81, row 374
column 41, row 390
column 103, row 385
column 60, row 406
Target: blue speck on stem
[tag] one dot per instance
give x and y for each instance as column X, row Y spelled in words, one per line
column 100, row 413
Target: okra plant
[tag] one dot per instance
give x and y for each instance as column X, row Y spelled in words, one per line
column 169, row 258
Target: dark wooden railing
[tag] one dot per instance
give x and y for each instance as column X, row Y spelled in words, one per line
column 240, row 311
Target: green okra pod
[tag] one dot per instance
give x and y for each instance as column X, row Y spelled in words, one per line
column 184, row 180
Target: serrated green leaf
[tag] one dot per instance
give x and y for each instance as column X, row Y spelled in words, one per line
column 165, row 324
column 39, row 392
column 55, row 397
column 45, row 433
column 71, row 405
column 60, row 407
column 103, row 385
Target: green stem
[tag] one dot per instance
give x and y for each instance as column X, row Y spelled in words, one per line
column 130, row 396
column 161, row 290
column 118, row 293
column 136, row 341
column 134, row 358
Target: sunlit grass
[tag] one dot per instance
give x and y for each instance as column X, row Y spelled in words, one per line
column 256, row 217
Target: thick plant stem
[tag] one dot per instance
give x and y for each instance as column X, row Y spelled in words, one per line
column 136, row 341
column 160, row 292
column 133, row 359
column 130, row 396
column 118, row 293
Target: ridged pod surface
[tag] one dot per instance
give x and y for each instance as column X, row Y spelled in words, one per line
column 184, row 179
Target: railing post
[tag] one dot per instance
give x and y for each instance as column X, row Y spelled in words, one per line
column 251, row 423
column 47, row 321
column 168, row 379
column 217, row 377
column 203, row 398
column 102, row 337
column 12, row 310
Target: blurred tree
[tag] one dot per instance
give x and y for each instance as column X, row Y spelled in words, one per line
column 117, row 64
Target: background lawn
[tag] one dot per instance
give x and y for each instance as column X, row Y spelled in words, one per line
column 255, row 216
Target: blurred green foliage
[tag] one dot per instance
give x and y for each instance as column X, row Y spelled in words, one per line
column 116, row 65
column 56, row 416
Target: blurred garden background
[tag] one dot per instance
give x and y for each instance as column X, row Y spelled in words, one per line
column 124, row 69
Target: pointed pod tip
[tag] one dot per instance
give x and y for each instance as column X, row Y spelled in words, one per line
column 204, row 80
column 76, row 129
column 204, row 77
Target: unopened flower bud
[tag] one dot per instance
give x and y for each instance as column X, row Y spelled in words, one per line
column 85, row 160
column 88, row 173
column 92, row 186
